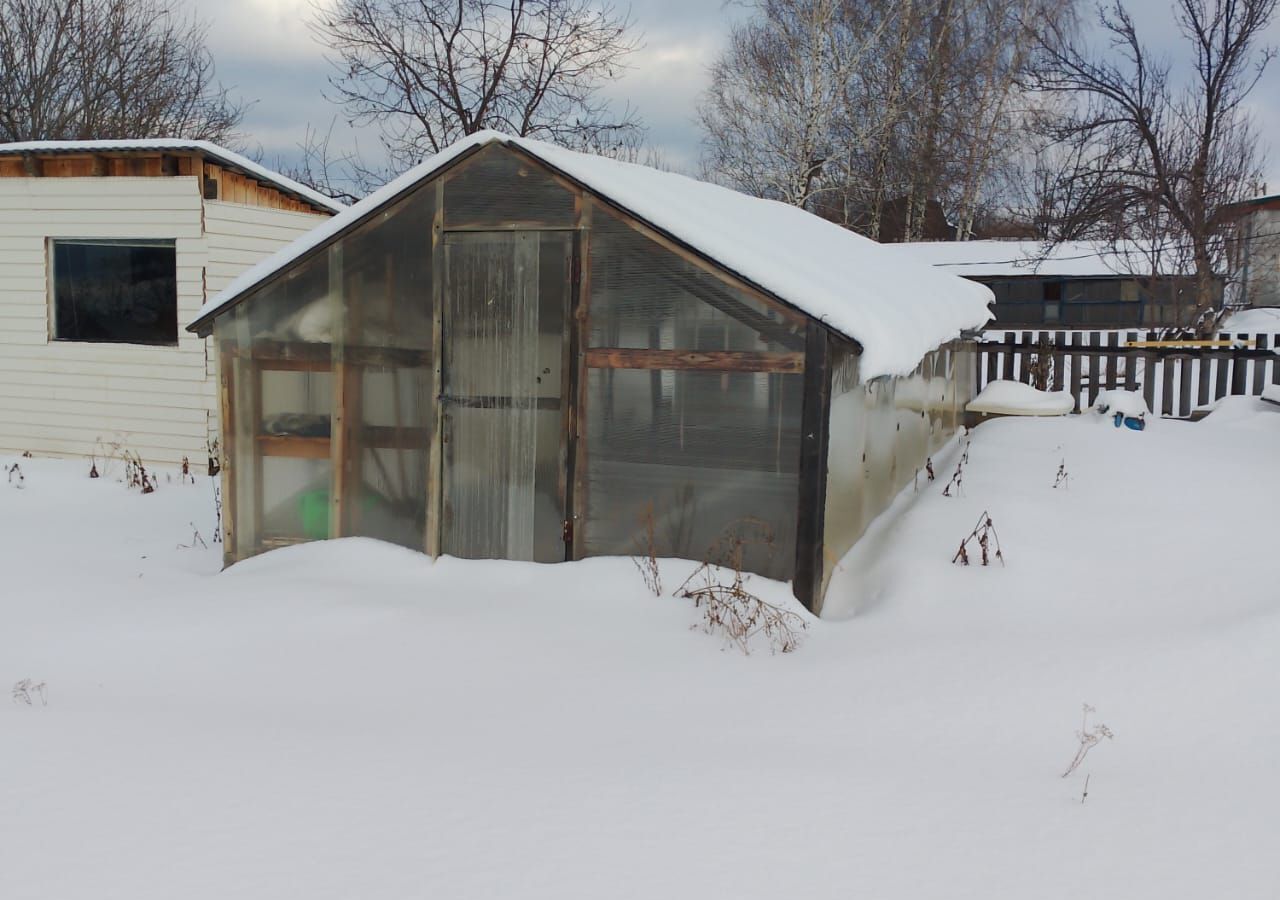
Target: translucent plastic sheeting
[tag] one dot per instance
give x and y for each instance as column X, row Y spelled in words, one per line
column 348, row 330
column 708, row 457
column 385, row 359
column 497, row 187
column 643, row 296
column 881, row 434
column 506, row 298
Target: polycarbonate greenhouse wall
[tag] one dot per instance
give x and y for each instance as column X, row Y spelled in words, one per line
column 499, row 364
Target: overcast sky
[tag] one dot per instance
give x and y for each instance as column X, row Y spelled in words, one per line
column 265, row 50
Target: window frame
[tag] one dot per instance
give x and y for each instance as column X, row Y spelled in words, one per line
column 51, row 245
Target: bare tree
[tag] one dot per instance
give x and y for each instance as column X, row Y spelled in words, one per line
column 884, row 116
column 80, row 69
column 778, row 96
column 1154, row 159
column 428, row 72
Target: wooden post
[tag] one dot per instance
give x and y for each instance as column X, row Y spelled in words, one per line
column 435, row 452
column 226, row 410
column 1113, row 359
column 581, row 314
column 806, row 584
column 340, row 427
column 1260, row 367
column 1184, row 386
column 1059, row 379
column 1076, row 342
column 1096, row 361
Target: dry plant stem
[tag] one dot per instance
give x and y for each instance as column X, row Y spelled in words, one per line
column 983, row 534
column 957, row 478
column 23, row 690
column 1063, row 478
column 647, row 561
column 729, row 608
column 217, row 509
column 1089, row 738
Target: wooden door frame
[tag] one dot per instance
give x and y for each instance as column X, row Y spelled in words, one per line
column 571, row 362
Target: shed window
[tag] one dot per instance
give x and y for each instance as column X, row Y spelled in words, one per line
column 115, row 291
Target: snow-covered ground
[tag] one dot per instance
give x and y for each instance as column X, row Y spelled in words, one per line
column 348, row 720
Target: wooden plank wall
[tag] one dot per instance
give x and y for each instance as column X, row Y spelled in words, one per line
column 1173, row 383
column 231, row 187
column 62, row 398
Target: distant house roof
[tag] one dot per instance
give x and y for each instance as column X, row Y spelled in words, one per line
column 896, row 312
column 220, row 155
column 995, row 259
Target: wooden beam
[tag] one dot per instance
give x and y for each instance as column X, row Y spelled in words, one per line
column 696, row 360
column 580, row 334
column 435, row 449
column 806, row 584
column 343, row 403
column 294, row 446
column 226, row 413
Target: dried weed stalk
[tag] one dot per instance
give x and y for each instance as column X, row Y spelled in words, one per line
column 728, row 608
column 957, row 477
column 196, row 539
column 1063, row 478
column 1089, row 738
column 217, row 510
column 16, row 478
column 647, row 560
column 983, row 534
column 135, row 473
column 214, row 465
column 23, row 690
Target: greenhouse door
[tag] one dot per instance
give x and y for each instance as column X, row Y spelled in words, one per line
column 506, row 300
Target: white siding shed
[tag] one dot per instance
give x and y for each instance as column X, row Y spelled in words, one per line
column 81, row 397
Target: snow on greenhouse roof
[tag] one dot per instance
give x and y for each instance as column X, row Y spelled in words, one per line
column 177, row 145
column 896, row 310
column 994, row 259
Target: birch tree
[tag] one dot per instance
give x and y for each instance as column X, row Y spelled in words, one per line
column 847, row 106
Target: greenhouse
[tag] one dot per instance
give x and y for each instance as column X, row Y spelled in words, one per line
column 516, row 351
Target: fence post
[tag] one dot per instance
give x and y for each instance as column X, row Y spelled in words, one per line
column 1239, row 371
column 1185, row 365
column 1096, row 360
column 1130, row 367
column 1076, row 341
column 1149, row 375
column 1223, row 360
column 1260, row 366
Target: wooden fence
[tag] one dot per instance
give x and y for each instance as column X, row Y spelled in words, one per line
column 1175, row 381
